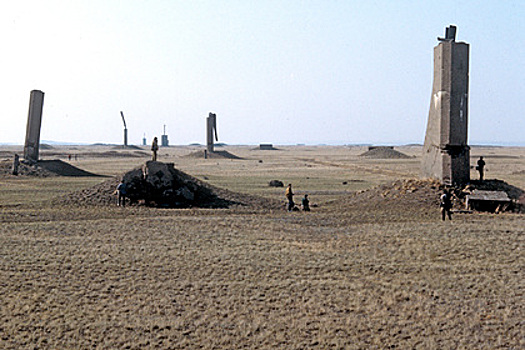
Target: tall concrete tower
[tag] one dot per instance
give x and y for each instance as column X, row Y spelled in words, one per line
column 211, row 130
column 446, row 154
column 34, row 123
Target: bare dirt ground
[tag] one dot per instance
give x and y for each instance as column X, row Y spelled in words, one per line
column 369, row 268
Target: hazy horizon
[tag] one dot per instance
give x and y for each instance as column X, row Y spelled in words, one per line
column 294, row 72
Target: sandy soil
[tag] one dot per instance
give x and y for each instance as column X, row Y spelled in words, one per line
column 369, row 268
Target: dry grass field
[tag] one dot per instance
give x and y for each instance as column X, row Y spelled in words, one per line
column 358, row 272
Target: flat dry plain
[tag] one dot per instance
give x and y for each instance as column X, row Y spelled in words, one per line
column 344, row 276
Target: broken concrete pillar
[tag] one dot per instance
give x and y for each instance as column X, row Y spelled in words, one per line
column 34, row 122
column 211, row 130
column 446, row 154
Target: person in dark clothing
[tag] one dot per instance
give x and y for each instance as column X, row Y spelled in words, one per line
column 305, row 203
column 481, row 168
column 154, row 149
column 121, row 192
column 445, row 205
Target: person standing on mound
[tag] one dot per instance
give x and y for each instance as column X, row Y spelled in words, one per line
column 154, row 149
column 481, row 168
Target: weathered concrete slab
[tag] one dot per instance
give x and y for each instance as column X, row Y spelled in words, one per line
column 487, row 200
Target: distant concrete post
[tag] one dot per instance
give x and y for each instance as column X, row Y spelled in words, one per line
column 446, row 154
column 34, row 122
column 211, row 130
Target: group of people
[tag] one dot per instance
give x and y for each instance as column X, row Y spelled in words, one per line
column 305, row 202
column 445, row 201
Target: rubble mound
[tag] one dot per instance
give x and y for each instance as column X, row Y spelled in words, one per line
column 6, row 169
column 43, row 168
column 61, row 168
column 404, row 200
column 384, row 153
column 422, row 196
column 159, row 184
column 213, row 155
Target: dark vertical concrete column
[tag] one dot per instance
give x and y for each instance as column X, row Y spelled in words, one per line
column 446, row 154
column 34, row 122
column 211, row 131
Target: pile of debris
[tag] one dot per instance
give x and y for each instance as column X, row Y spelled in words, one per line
column 159, row 184
column 43, row 168
column 383, row 152
column 423, row 195
column 24, row 169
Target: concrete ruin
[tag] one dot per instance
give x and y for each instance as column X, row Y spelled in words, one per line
column 446, row 154
column 125, row 129
column 34, row 123
column 164, row 142
column 211, row 130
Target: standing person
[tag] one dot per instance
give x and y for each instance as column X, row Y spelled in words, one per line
column 305, row 203
column 481, row 168
column 289, row 195
column 16, row 164
column 445, row 204
column 155, row 148
column 121, row 192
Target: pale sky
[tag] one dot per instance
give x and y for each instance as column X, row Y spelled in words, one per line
column 281, row 72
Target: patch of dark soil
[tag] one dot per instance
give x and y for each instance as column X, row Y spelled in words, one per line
column 384, row 153
column 213, row 155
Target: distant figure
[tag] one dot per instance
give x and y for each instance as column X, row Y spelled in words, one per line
column 155, row 148
column 481, row 168
column 305, row 203
column 69, row 157
column 16, row 164
column 445, row 204
column 121, row 192
column 289, row 195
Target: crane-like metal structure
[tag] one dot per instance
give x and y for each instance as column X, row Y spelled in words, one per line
column 125, row 130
